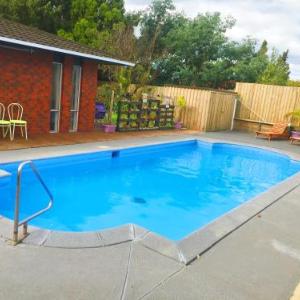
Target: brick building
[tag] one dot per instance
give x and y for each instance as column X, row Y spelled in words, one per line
column 54, row 79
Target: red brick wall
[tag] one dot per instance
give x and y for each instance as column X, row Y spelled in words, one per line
column 26, row 78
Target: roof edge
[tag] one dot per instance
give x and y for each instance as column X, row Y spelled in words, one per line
column 65, row 51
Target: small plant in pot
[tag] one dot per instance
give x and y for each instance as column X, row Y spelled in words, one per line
column 295, row 122
column 152, row 115
column 180, row 105
column 109, row 126
column 151, row 124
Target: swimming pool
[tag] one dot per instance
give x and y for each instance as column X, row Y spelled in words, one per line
column 172, row 189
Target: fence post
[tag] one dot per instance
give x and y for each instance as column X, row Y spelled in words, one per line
column 233, row 113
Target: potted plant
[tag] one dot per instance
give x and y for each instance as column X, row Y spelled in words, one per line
column 151, row 124
column 133, row 124
column 109, row 126
column 180, row 105
column 295, row 117
column 152, row 115
column 133, row 116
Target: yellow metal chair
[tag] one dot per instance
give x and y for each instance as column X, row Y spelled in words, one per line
column 5, row 124
column 15, row 113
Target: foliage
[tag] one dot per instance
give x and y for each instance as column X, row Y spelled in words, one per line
column 180, row 104
column 110, row 120
column 295, row 83
column 200, row 54
column 104, row 92
column 277, row 71
column 101, row 24
column 49, row 15
column 294, row 116
column 124, row 80
column 154, row 23
column 191, row 46
column 181, row 101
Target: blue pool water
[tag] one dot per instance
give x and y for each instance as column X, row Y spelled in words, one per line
column 171, row 189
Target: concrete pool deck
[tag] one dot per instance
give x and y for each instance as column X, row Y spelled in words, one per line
column 259, row 260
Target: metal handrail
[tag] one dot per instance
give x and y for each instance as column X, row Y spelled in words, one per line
column 24, row 222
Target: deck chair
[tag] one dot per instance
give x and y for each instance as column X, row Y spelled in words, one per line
column 5, row 124
column 279, row 130
column 15, row 113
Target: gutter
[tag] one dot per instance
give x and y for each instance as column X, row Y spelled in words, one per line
column 65, row 51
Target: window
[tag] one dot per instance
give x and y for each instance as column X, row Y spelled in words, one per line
column 75, row 99
column 55, row 96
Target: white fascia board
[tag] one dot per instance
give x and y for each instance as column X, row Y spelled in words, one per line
column 65, row 51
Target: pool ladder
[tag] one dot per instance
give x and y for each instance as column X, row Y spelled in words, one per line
column 24, row 222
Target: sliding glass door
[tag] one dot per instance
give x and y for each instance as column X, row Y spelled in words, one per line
column 75, row 99
column 55, row 96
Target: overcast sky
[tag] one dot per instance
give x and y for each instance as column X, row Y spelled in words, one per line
column 277, row 21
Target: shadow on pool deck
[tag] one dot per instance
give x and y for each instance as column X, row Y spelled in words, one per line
column 260, row 260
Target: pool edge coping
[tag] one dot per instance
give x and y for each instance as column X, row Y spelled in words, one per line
column 95, row 147
column 185, row 250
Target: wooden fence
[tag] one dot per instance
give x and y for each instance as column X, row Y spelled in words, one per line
column 260, row 105
column 206, row 110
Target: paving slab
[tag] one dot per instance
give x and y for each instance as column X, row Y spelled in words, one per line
column 30, row 272
column 277, row 214
column 139, row 232
column 190, row 284
column 249, row 260
column 117, row 235
column 162, row 245
column 199, row 241
column 6, row 227
column 258, row 261
column 62, row 239
column 37, row 237
column 146, row 270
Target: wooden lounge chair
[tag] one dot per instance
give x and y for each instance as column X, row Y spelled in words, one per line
column 279, row 130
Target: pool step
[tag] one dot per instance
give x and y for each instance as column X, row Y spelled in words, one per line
column 5, row 177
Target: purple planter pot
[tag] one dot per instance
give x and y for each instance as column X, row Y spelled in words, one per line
column 178, row 125
column 108, row 128
column 295, row 134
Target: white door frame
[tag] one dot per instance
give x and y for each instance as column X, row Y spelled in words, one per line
column 58, row 109
column 77, row 102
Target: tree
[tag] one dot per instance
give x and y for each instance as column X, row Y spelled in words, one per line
column 95, row 23
column 194, row 46
column 277, row 71
column 294, row 83
column 155, row 24
column 152, row 25
column 48, row 15
column 249, row 69
column 92, row 21
column 200, row 54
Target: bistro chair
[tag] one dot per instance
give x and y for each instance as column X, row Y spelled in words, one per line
column 5, row 124
column 15, row 113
